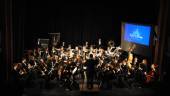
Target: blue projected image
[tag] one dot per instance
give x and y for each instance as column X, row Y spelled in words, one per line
column 137, row 34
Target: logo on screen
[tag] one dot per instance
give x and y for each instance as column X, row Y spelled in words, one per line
column 137, row 34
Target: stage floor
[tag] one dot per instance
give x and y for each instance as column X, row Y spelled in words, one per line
column 113, row 92
column 56, row 90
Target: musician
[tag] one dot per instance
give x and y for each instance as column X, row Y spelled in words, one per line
column 153, row 74
column 60, row 72
column 142, row 72
column 124, row 67
column 30, row 75
column 143, row 66
column 66, row 77
column 15, row 72
column 46, row 54
column 124, row 74
column 16, row 80
column 108, row 76
column 135, row 63
column 32, row 61
column 87, row 44
column 42, row 67
column 90, row 71
column 24, row 63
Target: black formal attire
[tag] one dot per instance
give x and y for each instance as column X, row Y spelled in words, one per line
column 90, row 72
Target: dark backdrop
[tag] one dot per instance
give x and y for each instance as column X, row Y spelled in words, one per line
column 77, row 22
column 23, row 21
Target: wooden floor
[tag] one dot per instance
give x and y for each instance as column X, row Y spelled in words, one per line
column 83, row 87
column 56, row 90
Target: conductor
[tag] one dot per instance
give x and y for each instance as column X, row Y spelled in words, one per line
column 90, row 71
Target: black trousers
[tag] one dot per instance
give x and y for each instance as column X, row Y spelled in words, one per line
column 90, row 77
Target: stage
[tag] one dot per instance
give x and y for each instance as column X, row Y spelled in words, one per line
column 55, row 90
